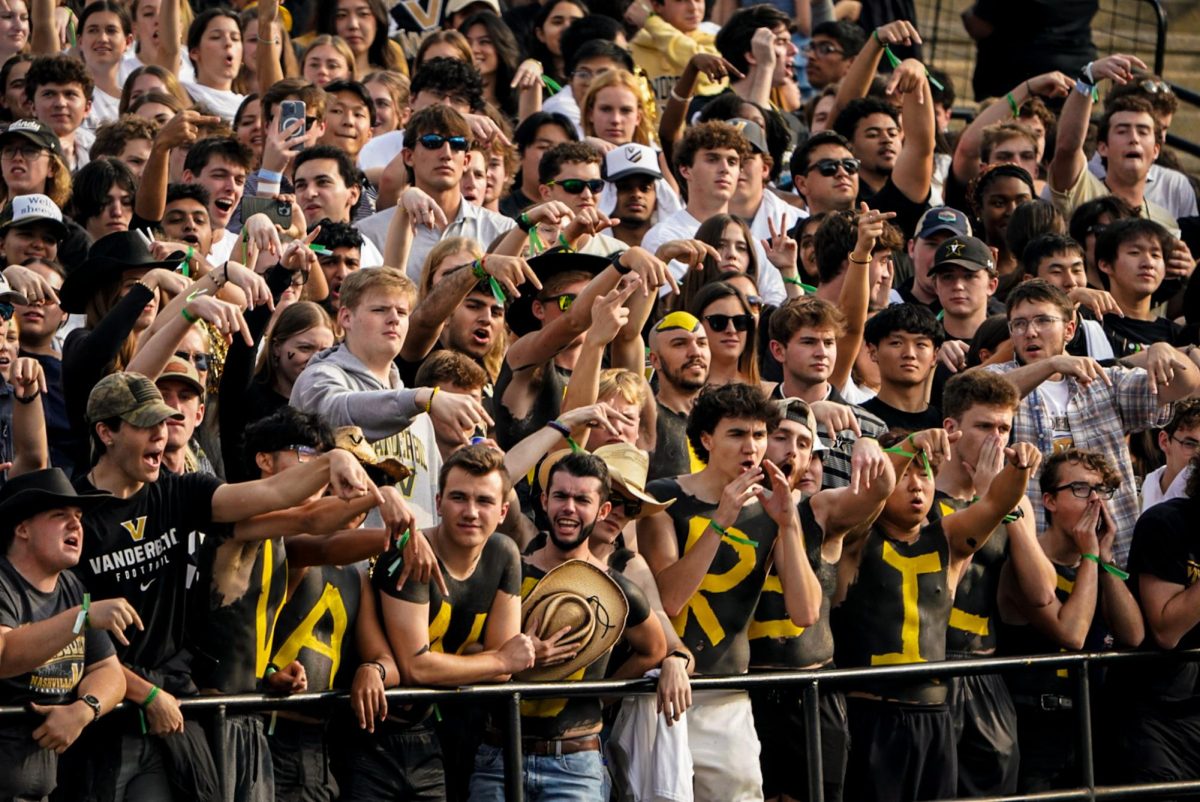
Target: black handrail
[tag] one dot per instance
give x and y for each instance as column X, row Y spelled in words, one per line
column 514, row 692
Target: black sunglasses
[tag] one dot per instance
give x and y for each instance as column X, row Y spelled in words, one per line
column 574, row 186
column 6, row 311
column 632, row 507
column 721, row 322
column 829, row 167
column 199, row 360
column 435, row 142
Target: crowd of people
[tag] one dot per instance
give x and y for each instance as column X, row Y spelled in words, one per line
column 354, row 348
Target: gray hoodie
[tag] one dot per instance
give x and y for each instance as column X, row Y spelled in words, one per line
column 337, row 386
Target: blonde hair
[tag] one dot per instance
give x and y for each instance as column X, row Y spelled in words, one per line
column 643, row 133
column 439, row 252
column 170, row 82
column 633, row 389
column 362, row 282
column 338, row 44
column 452, row 38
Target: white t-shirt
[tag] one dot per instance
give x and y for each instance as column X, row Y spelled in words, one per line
column 1054, row 396
column 220, row 102
column 369, row 255
column 186, row 72
column 564, row 103
column 380, row 150
column 104, row 109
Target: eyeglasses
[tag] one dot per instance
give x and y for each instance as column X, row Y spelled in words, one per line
column 304, row 453
column 1039, row 322
column 458, row 144
column 26, row 152
column 6, row 311
column 1084, row 490
column 632, row 507
column 575, row 186
column 721, row 322
column 1156, row 87
column 564, row 301
column 197, row 359
column 829, row 167
column 587, row 75
column 1188, row 443
column 822, row 49
column 1097, row 228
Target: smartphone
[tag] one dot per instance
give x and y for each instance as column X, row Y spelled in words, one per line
column 290, row 110
column 278, row 211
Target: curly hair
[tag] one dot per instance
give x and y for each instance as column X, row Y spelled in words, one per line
column 553, row 159
column 1090, row 460
column 711, row 135
column 991, row 173
column 1135, row 103
column 738, row 401
column 111, row 138
column 59, row 70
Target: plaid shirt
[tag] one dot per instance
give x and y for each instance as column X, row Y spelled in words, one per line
column 1099, row 418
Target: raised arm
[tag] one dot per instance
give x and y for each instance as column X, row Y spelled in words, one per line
column 170, row 36
column 968, row 530
column 674, row 115
column 913, row 171
column 608, row 318
column 855, row 296
column 270, row 45
column 43, row 32
column 862, row 71
column 872, row 479
column 31, row 449
column 801, row 590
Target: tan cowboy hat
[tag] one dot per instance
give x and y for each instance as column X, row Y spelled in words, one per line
column 582, row 596
column 628, row 466
column 351, row 438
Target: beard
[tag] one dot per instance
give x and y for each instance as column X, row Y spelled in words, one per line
column 677, row 379
column 563, row 544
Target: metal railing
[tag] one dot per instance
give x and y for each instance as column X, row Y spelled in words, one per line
column 812, row 680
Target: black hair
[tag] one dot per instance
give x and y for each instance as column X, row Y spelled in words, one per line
column 1029, row 221
column 59, row 70
column 946, row 95
column 592, row 28
column 284, row 428
column 345, row 165
column 450, row 76
column 859, row 109
column 109, row 6
column 337, row 235
column 994, row 172
column 380, row 54
column 849, row 36
column 508, row 55
column 909, row 318
column 536, row 48
column 733, row 40
column 241, row 109
column 195, row 31
column 98, row 447
column 597, row 48
column 1047, row 245
column 991, row 333
column 526, row 132
column 91, row 185
column 582, row 465
column 353, row 87
column 800, row 156
column 1112, row 238
column 833, row 239
column 1087, row 215
column 197, row 192
column 5, row 72
column 199, row 154
column 736, row 400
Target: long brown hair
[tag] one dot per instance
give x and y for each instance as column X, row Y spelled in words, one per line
column 711, row 231
column 296, row 318
column 710, row 294
column 174, row 88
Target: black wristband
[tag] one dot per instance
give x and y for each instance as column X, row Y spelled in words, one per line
column 380, row 668
column 523, row 222
column 687, row 658
column 615, row 259
column 30, row 399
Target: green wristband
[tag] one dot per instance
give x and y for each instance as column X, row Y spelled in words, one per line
column 396, row 563
column 720, row 530
column 150, row 697
column 1109, row 567
column 793, row 280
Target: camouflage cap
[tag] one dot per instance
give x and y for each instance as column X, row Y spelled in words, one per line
column 131, row 397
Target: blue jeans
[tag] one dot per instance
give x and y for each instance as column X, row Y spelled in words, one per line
column 578, row 777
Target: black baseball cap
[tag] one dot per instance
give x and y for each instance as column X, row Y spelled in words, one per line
column 968, row 252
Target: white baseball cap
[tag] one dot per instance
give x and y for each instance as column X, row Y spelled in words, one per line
column 632, row 159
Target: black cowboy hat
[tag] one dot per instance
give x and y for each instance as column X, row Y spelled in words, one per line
column 107, row 259
column 546, row 265
column 26, row 495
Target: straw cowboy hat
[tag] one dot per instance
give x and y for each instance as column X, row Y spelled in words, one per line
column 628, row 466
column 579, row 595
column 351, row 438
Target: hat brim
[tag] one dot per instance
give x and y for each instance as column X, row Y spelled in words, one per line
column 551, row 263
column 584, row 579
column 632, row 171
column 82, row 283
column 927, row 233
column 185, row 379
column 32, row 136
column 650, row 505
column 24, row 504
column 150, row 414
column 963, row 263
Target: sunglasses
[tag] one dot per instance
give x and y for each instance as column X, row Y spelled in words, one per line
column 564, row 301
column 6, row 311
column 458, row 144
column 822, row 49
column 199, row 360
column 574, row 186
column 721, row 322
column 829, row 167
column 632, row 507
column 1156, row 87
column 755, row 301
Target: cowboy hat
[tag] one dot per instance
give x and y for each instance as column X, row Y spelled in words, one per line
column 628, row 467
column 107, row 259
column 579, row 595
column 24, row 496
column 548, row 264
column 351, row 438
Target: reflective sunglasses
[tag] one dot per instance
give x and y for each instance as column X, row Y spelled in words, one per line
column 721, row 322
column 574, row 186
column 1156, row 87
column 197, row 359
column 458, row 144
column 6, row 311
column 564, row 301
column 829, row 167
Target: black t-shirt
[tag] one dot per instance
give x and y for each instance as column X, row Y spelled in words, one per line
column 54, row 681
column 145, row 549
column 515, row 202
column 928, row 418
column 715, row 621
column 550, row 387
column 1031, row 37
column 775, row 642
column 316, row 625
column 672, row 453
column 890, row 199
column 1166, row 545
column 554, row 718
column 1128, row 336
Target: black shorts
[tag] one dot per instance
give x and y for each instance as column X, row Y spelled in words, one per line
column 985, row 726
column 779, row 719
column 395, row 765
column 1049, row 736
column 1159, row 744
column 300, row 755
column 900, row 752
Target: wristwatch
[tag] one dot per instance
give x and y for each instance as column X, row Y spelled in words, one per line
column 93, row 703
